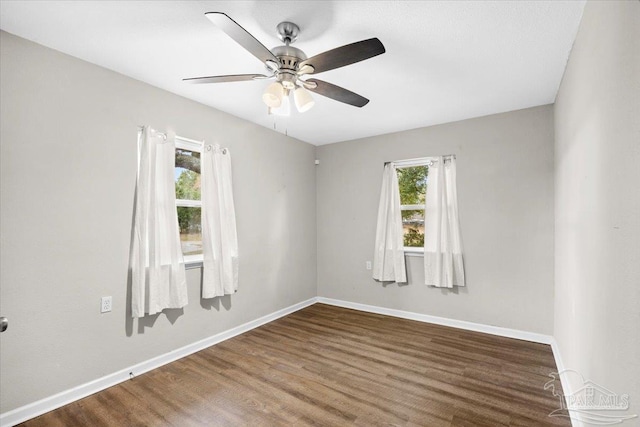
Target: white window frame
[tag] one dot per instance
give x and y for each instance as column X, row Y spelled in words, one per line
column 411, row 163
column 190, row 261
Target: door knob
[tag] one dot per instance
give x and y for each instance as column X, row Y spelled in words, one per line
column 4, row 323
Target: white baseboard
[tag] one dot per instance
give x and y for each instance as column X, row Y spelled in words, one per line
column 50, row 403
column 460, row 324
column 47, row 404
column 566, row 386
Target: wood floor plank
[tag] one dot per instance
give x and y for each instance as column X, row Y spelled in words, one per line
column 329, row 366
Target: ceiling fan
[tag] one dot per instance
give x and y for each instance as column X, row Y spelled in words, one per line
column 287, row 65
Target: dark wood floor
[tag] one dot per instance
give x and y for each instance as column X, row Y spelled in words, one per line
column 331, row 366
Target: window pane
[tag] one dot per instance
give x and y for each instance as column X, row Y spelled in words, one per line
column 190, row 230
column 187, row 174
column 413, row 228
column 413, row 185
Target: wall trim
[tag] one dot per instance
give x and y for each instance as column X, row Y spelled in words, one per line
column 50, row 403
column 444, row 321
column 566, row 386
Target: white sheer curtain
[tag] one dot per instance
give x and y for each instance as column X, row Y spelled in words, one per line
column 388, row 259
column 219, row 237
column 443, row 263
column 157, row 268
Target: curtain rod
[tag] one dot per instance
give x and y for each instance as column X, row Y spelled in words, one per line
column 162, row 134
column 430, row 158
column 182, row 138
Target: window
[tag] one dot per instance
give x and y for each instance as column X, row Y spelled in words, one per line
column 412, row 182
column 188, row 203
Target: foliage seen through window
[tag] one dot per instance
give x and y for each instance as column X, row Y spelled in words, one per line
column 412, row 182
column 188, row 183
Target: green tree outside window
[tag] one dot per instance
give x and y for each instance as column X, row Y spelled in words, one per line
column 412, row 183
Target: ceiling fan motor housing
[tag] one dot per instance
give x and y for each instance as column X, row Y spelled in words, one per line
column 289, row 58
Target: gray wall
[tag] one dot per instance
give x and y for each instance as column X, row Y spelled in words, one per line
column 597, row 185
column 505, row 191
column 67, row 174
column 68, row 167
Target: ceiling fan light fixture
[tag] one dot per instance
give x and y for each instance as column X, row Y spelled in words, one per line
column 273, row 95
column 285, row 106
column 304, row 100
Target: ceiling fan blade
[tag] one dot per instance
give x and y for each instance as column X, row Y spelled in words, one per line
column 225, row 79
column 241, row 36
column 344, row 55
column 336, row 92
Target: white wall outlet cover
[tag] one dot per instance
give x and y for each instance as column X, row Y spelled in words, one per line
column 105, row 304
column 368, row 264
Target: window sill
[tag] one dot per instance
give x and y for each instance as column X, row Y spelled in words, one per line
column 418, row 252
column 192, row 261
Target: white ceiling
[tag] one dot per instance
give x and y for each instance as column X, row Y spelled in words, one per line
column 445, row 61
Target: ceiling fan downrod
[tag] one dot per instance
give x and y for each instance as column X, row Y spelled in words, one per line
column 290, row 57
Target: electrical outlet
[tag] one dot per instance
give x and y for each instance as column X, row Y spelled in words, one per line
column 105, row 305
column 368, row 265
